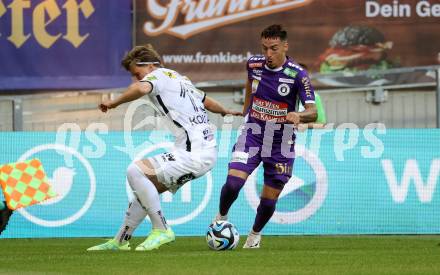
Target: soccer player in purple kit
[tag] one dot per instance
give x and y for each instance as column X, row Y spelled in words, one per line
column 274, row 87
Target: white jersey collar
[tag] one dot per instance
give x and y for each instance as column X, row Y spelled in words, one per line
column 276, row 69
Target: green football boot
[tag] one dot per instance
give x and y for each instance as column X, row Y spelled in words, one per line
column 156, row 238
column 111, row 245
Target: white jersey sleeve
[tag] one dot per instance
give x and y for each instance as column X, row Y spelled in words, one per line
column 155, row 80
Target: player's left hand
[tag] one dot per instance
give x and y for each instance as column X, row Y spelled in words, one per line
column 294, row 118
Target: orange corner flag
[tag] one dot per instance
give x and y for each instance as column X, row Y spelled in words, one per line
column 25, row 184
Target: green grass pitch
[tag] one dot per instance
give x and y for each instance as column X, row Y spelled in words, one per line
column 190, row 255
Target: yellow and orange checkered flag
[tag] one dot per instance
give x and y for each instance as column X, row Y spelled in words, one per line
column 24, row 184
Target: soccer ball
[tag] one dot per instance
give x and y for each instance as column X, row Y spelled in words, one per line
column 222, row 235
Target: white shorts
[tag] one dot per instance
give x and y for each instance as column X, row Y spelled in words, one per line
column 178, row 166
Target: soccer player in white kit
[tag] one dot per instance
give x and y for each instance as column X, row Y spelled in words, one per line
column 193, row 155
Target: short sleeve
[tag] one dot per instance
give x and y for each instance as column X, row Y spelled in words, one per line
column 155, row 82
column 249, row 71
column 306, row 92
column 253, row 65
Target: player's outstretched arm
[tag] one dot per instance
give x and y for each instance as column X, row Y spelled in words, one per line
column 216, row 107
column 133, row 92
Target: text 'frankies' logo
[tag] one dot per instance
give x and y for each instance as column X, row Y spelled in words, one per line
column 205, row 15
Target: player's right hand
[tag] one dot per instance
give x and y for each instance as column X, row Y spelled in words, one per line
column 105, row 105
column 293, row 118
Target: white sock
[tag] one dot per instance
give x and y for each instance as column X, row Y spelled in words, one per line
column 219, row 217
column 254, row 233
column 147, row 195
column 133, row 217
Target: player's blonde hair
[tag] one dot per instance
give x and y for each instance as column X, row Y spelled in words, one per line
column 141, row 54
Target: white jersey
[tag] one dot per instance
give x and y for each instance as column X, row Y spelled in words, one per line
column 176, row 97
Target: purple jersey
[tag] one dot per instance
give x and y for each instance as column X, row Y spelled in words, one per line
column 275, row 92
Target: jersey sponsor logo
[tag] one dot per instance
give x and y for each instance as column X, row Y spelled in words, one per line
column 307, row 86
column 199, row 119
column 283, row 89
column 290, row 72
column 257, row 72
column 256, row 65
column 286, row 80
column 185, row 178
column 169, row 74
column 267, row 110
column 151, row 78
column 283, row 168
column 207, row 134
column 168, row 157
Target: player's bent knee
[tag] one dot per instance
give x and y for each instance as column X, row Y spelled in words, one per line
column 146, row 167
column 272, row 191
column 148, row 171
column 238, row 173
column 132, row 170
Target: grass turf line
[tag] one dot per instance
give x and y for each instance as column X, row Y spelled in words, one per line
column 190, row 255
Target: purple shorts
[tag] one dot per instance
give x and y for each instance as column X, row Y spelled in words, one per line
column 250, row 151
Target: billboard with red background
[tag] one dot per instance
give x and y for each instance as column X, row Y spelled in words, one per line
column 212, row 39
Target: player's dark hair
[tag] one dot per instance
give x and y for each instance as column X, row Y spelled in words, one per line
column 274, row 31
column 138, row 54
